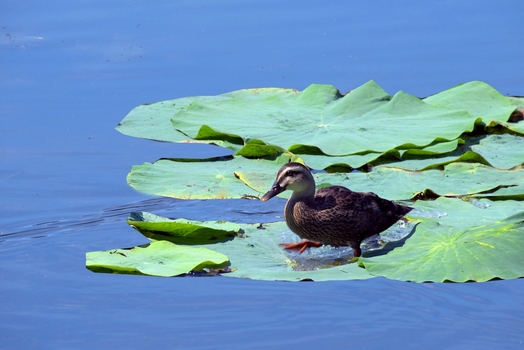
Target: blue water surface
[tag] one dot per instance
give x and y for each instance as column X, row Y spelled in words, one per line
column 71, row 70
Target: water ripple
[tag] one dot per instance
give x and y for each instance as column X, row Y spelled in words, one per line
column 237, row 210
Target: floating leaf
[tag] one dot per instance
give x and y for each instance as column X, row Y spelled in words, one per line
column 463, row 213
column 203, row 179
column 416, row 163
column 153, row 120
column 259, row 149
column 516, row 101
column 161, row 258
column 502, row 151
column 182, row 231
column 478, row 98
column 439, row 253
column 360, row 127
column 457, row 179
column 257, row 255
column 352, row 161
column 319, row 114
column 220, row 179
column 391, row 157
column 450, row 248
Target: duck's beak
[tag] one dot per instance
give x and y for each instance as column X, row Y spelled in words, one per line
column 275, row 189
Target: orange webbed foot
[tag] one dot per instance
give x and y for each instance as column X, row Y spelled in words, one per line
column 301, row 246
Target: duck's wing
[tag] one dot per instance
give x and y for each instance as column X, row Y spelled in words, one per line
column 355, row 208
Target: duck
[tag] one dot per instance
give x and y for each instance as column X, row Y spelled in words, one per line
column 333, row 215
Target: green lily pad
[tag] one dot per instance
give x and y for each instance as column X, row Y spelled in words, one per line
column 433, row 149
column 319, row 114
column 259, row 256
column 393, row 157
column 199, row 179
column 515, row 127
column 478, row 98
column 254, row 254
column 216, row 179
column 259, row 149
column 309, row 121
column 455, row 240
column 439, row 253
column 463, row 213
column 417, row 163
column 352, row 161
column 516, row 101
column 182, row 231
column 161, row 258
column 501, row 151
column 457, row 179
column 153, row 120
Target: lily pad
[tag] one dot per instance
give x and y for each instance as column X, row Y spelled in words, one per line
column 219, row 179
column 153, row 120
column 203, row 179
column 503, row 151
column 320, row 114
column 352, row 161
column 516, row 101
column 478, row 98
column 254, row 254
column 439, row 253
column 463, row 213
column 366, row 123
column 161, row 258
column 257, row 255
column 393, row 157
column 417, row 163
column 182, row 231
column 457, row 179
column 470, row 241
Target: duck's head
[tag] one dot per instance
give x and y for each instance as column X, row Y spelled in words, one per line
column 295, row 177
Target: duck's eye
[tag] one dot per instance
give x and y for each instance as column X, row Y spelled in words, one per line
column 289, row 173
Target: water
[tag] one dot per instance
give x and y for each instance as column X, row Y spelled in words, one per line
column 72, row 70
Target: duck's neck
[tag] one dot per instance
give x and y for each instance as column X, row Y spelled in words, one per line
column 289, row 211
column 305, row 195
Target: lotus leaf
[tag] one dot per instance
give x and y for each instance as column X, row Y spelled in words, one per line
column 161, row 258
column 203, row 179
column 319, row 114
column 501, row 151
column 220, row 179
column 355, row 161
column 182, row 231
column 443, row 249
column 153, row 120
column 417, row 163
column 457, row 179
column 377, row 123
column 440, row 253
column 478, row 98
column 516, row 101
column 256, row 254
column 464, row 213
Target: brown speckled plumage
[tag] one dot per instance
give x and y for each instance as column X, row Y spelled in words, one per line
column 332, row 215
